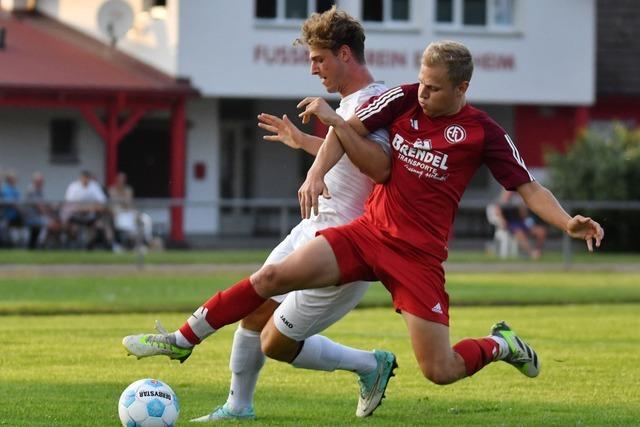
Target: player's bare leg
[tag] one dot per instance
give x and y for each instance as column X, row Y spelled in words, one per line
column 442, row 364
column 438, row 362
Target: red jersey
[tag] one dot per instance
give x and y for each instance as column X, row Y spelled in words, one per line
column 433, row 160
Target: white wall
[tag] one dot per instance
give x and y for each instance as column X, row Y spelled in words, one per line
column 550, row 59
column 24, row 148
column 203, row 146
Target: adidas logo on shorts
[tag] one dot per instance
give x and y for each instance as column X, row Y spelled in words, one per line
column 437, row 308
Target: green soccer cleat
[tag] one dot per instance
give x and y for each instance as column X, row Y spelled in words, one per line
column 162, row 344
column 373, row 384
column 521, row 355
column 223, row 413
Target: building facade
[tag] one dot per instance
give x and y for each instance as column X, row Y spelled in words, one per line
column 535, row 73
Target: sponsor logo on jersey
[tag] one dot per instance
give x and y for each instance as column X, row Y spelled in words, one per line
column 455, row 134
column 424, row 144
column 286, row 322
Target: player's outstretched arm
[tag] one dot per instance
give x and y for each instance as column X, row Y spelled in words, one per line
column 283, row 130
column 367, row 155
column 543, row 203
column 328, row 155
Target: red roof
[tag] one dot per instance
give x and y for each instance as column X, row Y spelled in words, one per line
column 43, row 54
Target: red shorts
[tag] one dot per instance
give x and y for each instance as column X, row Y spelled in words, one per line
column 414, row 278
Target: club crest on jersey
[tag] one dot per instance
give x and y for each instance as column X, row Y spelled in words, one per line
column 455, row 134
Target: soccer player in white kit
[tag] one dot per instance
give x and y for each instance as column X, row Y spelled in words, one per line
column 336, row 50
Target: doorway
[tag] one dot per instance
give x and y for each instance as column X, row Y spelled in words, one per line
column 144, row 156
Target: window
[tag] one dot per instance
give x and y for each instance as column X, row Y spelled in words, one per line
column 289, row 10
column 387, row 11
column 63, row 146
column 491, row 15
column 156, row 8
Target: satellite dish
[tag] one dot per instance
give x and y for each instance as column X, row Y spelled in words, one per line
column 115, row 18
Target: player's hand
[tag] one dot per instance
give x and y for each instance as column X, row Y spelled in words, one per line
column 581, row 227
column 312, row 187
column 319, row 108
column 281, row 128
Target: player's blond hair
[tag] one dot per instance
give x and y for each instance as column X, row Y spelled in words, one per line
column 454, row 56
column 331, row 30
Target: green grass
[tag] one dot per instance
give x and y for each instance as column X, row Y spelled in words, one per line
column 103, row 257
column 140, row 292
column 69, row 371
column 259, row 255
column 61, row 362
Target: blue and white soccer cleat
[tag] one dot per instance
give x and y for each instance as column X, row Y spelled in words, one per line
column 374, row 384
column 223, row 413
column 521, row 355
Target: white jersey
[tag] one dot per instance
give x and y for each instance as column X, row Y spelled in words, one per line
column 348, row 187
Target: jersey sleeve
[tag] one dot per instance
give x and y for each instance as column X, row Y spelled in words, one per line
column 502, row 157
column 381, row 110
column 381, row 137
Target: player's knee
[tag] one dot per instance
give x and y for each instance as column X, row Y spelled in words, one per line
column 436, row 373
column 268, row 280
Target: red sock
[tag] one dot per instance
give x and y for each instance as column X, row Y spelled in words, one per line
column 477, row 353
column 222, row 309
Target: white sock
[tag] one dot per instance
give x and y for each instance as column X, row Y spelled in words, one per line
column 504, row 347
column 180, row 340
column 321, row 354
column 245, row 363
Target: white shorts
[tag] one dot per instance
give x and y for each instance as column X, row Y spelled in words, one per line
column 302, row 314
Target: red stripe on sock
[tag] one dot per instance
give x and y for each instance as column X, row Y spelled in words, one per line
column 477, row 353
column 186, row 332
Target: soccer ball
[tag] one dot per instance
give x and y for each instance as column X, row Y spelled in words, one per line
column 148, row 402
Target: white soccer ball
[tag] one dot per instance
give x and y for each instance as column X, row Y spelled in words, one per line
column 148, row 403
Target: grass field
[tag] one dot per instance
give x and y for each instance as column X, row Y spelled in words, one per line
column 62, row 363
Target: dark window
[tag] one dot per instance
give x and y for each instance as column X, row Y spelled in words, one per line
column 148, row 4
column 444, row 11
column 265, row 8
column 63, row 146
column 324, row 5
column 372, row 10
column 400, row 10
column 475, row 12
column 295, row 9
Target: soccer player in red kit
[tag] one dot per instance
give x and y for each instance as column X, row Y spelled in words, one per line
column 438, row 142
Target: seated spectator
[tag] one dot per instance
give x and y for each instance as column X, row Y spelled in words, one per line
column 11, row 215
column 85, row 207
column 522, row 224
column 40, row 217
column 131, row 226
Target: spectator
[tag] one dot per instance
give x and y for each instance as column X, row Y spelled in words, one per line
column 40, row 217
column 121, row 194
column 11, row 215
column 125, row 218
column 85, row 208
column 520, row 222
